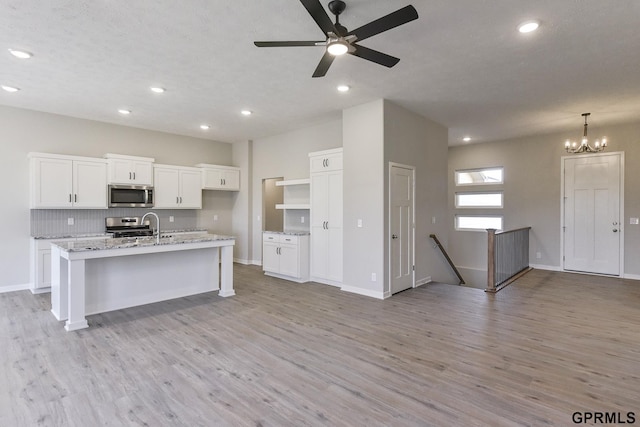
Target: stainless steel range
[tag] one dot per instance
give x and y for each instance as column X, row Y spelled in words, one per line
column 130, row 226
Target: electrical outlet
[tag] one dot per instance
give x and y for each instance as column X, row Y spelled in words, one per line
column 215, row 217
column 258, row 218
column 538, row 255
column 374, row 277
column 359, row 223
column 433, row 220
column 171, row 218
column 302, row 220
column 70, row 221
column 634, row 221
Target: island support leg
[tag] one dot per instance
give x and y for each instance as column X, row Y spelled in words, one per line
column 226, row 273
column 76, row 290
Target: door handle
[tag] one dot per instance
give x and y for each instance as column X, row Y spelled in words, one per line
column 393, row 236
column 615, row 230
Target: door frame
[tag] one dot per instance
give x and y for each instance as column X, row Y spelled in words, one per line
column 620, row 154
column 387, row 291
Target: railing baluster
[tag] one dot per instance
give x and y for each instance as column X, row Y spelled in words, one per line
column 507, row 256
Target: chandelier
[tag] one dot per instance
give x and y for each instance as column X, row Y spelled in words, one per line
column 584, row 147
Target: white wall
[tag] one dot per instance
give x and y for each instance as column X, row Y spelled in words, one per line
column 286, row 155
column 24, row 131
column 242, row 202
column 532, row 194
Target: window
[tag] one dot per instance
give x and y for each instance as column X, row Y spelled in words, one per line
column 478, row 222
column 479, row 200
column 480, row 176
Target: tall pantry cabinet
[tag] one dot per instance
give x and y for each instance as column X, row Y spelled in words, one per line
column 326, row 216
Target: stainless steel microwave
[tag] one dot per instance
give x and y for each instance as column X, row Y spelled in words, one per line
column 130, row 196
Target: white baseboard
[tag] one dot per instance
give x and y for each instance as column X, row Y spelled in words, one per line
column 242, row 261
column 365, row 292
column 14, row 288
column 423, row 281
column 631, row 276
column 546, row 267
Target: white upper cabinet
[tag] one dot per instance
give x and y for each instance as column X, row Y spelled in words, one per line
column 130, row 169
column 216, row 177
column 177, row 187
column 67, row 182
column 325, row 161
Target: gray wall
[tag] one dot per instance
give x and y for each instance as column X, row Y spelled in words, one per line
column 413, row 140
column 24, row 131
column 286, row 155
column 241, row 222
column 363, row 185
column 532, row 194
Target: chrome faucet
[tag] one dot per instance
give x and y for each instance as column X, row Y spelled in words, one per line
column 157, row 224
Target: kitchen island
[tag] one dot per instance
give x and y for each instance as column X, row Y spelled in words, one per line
column 96, row 276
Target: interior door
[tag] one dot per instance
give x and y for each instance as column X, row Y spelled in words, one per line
column 592, row 223
column 401, row 189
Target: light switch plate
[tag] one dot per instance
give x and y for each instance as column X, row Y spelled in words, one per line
column 634, row 221
column 70, row 221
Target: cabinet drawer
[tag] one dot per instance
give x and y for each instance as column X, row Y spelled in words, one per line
column 271, row 237
column 291, row 240
column 280, row 238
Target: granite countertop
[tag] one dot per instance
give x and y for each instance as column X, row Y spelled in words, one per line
column 131, row 242
column 183, row 230
column 290, row 233
column 70, row 236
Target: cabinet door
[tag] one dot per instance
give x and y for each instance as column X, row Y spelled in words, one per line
column 289, row 260
column 270, row 257
column 190, row 189
column 43, row 279
column 120, row 171
column 231, row 180
column 142, row 173
column 319, row 196
column 212, row 179
column 52, row 183
column 89, row 185
column 167, row 188
column 325, row 163
column 319, row 252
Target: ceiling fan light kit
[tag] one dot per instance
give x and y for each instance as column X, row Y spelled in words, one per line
column 339, row 40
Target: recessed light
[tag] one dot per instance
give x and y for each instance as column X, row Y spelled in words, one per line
column 10, row 88
column 204, row 127
column 528, row 26
column 343, row 88
column 157, row 89
column 124, row 112
column 466, row 139
column 20, row 54
column 246, row 112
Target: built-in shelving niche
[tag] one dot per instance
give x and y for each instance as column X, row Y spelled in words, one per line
column 296, row 204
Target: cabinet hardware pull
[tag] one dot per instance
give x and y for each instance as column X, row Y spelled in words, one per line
column 134, row 176
column 177, row 199
column 220, row 181
column 69, row 197
column 129, row 175
column 180, row 199
column 75, row 197
column 327, row 162
column 393, row 236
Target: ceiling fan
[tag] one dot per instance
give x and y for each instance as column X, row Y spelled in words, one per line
column 340, row 41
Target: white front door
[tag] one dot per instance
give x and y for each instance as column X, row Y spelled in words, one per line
column 401, row 179
column 592, row 220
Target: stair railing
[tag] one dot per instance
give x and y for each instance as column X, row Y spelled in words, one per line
column 507, row 257
column 446, row 256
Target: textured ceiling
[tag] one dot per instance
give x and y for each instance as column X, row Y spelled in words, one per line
column 463, row 64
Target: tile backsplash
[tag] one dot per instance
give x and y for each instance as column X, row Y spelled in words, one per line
column 48, row 222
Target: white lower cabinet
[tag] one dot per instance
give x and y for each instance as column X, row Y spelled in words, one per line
column 41, row 261
column 286, row 256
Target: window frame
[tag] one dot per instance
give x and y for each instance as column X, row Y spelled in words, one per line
column 471, row 184
column 471, row 193
column 457, row 228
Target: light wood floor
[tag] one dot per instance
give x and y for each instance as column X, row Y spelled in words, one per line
column 285, row 354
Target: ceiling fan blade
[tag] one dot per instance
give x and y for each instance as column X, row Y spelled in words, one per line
column 374, row 56
column 323, row 66
column 392, row 20
column 292, row 43
column 319, row 15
